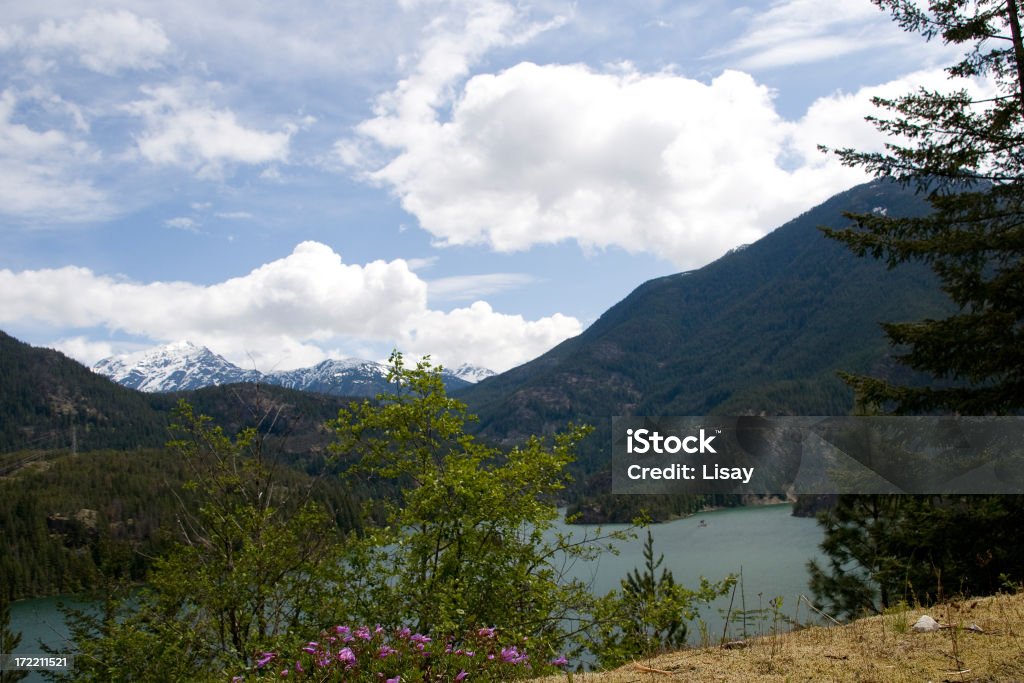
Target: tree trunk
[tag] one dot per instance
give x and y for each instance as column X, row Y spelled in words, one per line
column 1018, row 48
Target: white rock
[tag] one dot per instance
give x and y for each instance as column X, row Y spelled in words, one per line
column 926, row 624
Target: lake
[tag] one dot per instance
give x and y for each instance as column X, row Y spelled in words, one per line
column 38, row 620
column 770, row 546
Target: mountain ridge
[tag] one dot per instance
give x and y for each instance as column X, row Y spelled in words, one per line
column 178, row 366
column 764, row 328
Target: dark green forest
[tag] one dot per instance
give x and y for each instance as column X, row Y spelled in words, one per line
column 70, row 522
column 87, row 488
column 763, row 329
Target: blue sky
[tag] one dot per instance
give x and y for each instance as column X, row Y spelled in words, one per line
column 477, row 180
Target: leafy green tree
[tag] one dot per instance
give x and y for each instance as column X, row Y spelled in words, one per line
column 651, row 612
column 467, row 541
column 256, row 551
column 965, row 154
column 255, row 570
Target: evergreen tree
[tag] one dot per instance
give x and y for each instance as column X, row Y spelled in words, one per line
column 883, row 550
column 862, row 574
column 650, row 613
column 966, row 155
column 9, row 640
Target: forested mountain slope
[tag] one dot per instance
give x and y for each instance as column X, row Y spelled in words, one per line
column 765, row 328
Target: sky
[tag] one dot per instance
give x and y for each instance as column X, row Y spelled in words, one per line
column 476, row 180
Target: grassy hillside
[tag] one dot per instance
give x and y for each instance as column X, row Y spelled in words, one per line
column 882, row 648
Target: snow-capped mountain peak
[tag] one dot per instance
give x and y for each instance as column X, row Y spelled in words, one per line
column 472, row 373
column 345, row 377
column 180, row 366
column 176, row 366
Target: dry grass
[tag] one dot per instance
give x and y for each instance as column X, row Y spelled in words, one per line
column 880, row 648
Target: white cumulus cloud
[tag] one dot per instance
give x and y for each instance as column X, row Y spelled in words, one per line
column 646, row 162
column 838, row 119
column 613, row 157
column 484, row 337
column 84, row 349
column 290, row 312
